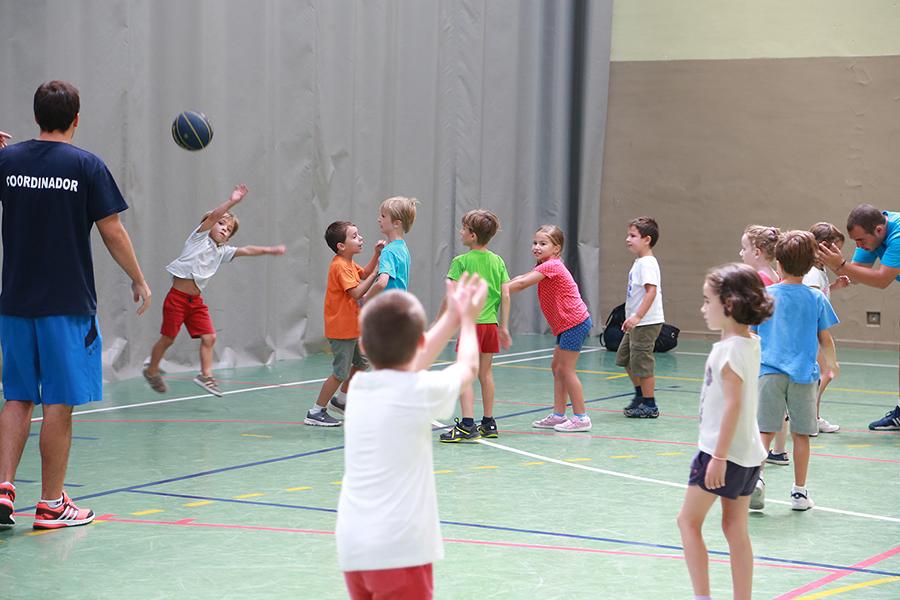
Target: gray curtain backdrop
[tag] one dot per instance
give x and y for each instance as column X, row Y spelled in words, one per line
column 323, row 108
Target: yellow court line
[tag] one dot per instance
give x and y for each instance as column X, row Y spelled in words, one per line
column 624, row 456
column 141, row 513
column 540, row 462
column 848, row 588
column 576, row 459
column 256, row 435
column 250, row 495
column 298, row 488
column 336, row 482
column 619, row 376
column 198, row 503
column 443, row 472
column 859, row 445
column 674, row 378
column 487, row 467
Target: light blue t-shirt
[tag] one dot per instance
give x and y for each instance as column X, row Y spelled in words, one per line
column 889, row 250
column 395, row 262
column 789, row 338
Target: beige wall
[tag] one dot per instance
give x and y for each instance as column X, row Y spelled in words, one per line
column 710, row 146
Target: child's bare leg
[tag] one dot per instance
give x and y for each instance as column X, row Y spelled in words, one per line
column 467, row 402
column 559, row 387
column 486, row 379
column 159, row 350
column 329, row 387
column 734, row 526
column 697, row 503
column 207, row 341
column 781, row 439
column 564, row 362
column 801, row 458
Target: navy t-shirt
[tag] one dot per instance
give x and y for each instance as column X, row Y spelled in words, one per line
column 52, row 193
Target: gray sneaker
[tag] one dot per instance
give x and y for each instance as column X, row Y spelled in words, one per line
column 208, row 383
column 156, row 382
column 337, row 406
column 758, row 497
column 321, row 419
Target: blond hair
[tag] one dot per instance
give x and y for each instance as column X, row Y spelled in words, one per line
column 401, row 208
column 763, row 238
column 235, row 223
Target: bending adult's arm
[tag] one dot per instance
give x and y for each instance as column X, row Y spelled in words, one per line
column 119, row 245
column 857, row 272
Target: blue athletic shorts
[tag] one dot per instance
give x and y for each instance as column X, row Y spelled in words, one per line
column 52, row 360
column 573, row 339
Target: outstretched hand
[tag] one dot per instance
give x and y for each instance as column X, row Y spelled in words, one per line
column 467, row 296
column 239, row 192
column 3, row 137
column 830, row 255
column 277, row 250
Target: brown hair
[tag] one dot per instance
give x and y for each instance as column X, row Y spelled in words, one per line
column 336, row 233
column 741, row 292
column 826, row 232
column 796, row 251
column 646, row 226
column 235, row 224
column 391, row 325
column 763, row 238
column 56, row 104
column 555, row 234
column 483, row 223
column 866, row 216
column 401, row 208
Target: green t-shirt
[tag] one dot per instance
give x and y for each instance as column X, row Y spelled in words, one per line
column 492, row 269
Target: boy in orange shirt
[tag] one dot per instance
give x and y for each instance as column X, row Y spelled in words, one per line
column 347, row 282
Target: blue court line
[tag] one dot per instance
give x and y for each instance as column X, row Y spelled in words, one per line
column 74, row 437
column 828, row 401
column 19, row 480
column 557, row 534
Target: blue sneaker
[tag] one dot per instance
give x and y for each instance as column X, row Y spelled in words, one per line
column 890, row 422
column 643, row 411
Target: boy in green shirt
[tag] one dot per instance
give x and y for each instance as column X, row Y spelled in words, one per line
column 478, row 227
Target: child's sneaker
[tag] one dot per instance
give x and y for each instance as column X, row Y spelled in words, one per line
column 488, row 429
column 321, row 419
column 800, row 499
column 643, row 411
column 156, row 382
column 7, row 497
column 780, row 458
column 208, row 383
column 758, row 497
column 338, row 406
column 574, row 424
column 890, row 422
column 460, row 433
column 826, row 427
column 64, row 515
column 550, row 421
column 635, row 402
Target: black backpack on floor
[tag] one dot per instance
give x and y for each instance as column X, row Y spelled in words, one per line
column 612, row 333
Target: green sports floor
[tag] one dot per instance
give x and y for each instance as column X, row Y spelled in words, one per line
column 233, row 497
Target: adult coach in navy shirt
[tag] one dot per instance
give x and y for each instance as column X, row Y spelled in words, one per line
column 877, row 237
column 52, row 194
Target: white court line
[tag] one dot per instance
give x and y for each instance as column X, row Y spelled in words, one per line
column 657, row 481
column 270, row 387
column 841, row 362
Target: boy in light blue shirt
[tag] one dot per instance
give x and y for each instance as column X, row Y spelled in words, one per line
column 395, row 218
column 789, row 372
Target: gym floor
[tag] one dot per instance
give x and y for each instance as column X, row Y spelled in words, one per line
column 233, row 497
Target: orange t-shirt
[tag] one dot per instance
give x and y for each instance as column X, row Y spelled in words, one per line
column 341, row 310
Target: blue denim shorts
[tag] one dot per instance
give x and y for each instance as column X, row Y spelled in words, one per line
column 573, row 339
column 52, row 360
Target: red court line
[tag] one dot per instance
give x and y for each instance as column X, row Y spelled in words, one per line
column 247, row 421
column 838, row 575
column 191, row 523
column 595, row 409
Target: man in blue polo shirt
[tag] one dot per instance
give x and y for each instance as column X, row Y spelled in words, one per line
column 52, row 194
column 877, row 237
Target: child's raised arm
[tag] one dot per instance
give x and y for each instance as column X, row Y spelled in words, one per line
column 376, row 254
column 236, row 196
column 259, row 250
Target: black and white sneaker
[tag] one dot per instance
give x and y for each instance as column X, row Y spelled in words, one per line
column 321, row 419
column 337, row 406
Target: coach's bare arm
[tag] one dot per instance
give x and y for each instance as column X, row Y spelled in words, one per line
column 120, row 248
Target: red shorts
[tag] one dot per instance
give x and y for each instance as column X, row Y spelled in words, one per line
column 488, row 338
column 182, row 308
column 407, row 583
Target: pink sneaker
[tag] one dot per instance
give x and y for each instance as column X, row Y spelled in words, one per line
column 575, row 424
column 65, row 515
column 7, row 497
column 550, row 421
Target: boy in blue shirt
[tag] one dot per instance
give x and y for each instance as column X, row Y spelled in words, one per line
column 395, row 218
column 789, row 372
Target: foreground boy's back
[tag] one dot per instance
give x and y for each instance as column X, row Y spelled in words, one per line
column 388, row 531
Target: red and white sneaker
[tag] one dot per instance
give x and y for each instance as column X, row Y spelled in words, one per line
column 7, row 497
column 64, row 515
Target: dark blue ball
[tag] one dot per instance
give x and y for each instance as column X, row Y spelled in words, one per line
column 191, row 130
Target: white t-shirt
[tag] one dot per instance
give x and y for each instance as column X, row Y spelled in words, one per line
column 644, row 270
column 200, row 258
column 742, row 356
column 818, row 278
column 387, row 513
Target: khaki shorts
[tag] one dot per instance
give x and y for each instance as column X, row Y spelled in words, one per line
column 777, row 392
column 636, row 350
column 346, row 354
